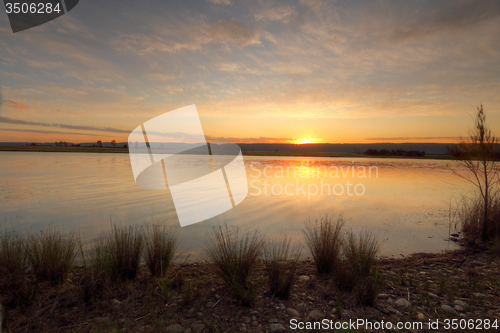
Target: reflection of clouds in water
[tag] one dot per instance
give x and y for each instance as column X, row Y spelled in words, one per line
column 406, row 204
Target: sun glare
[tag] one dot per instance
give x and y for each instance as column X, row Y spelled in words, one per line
column 307, row 140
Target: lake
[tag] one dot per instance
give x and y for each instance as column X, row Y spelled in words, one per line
column 406, row 202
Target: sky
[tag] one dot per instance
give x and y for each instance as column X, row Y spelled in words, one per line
column 257, row 71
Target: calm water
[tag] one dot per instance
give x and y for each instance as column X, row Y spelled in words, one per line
column 406, row 202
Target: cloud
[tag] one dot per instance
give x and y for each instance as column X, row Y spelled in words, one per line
column 232, row 31
column 67, row 112
column 9, row 120
column 281, row 13
column 221, row 2
column 447, row 19
column 414, row 138
column 13, row 104
column 160, row 77
column 249, row 140
column 46, row 132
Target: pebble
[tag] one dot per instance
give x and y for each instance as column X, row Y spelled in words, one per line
column 316, row 315
column 302, row 307
column 175, row 328
column 458, row 308
column 277, row 328
column 433, row 296
column 304, row 278
column 402, row 303
column 392, row 310
column 460, row 303
column 293, row 313
column 101, row 319
column 449, row 310
column 420, row 316
column 198, row 326
column 282, row 306
column 383, row 296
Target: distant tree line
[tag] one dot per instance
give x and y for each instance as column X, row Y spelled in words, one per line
column 394, row 152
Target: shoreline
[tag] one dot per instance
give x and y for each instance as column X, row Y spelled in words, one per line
column 118, row 150
column 461, row 284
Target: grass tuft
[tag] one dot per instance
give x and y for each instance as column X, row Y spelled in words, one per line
column 161, row 246
column 123, row 246
column 324, row 239
column 281, row 261
column 233, row 258
column 51, row 254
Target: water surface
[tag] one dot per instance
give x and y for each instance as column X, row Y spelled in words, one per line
column 405, row 201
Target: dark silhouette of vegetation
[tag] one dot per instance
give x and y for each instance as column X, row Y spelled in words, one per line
column 113, row 143
column 479, row 154
column 99, row 144
column 394, row 152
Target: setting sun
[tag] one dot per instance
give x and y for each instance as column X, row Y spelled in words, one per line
column 307, row 140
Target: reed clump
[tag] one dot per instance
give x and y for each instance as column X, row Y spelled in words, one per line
column 281, row 261
column 51, row 254
column 233, row 257
column 122, row 246
column 161, row 246
column 324, row 238
column 349, row 258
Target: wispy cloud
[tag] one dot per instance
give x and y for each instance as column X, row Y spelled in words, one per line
column 415, row 138
column 47, row 132
column 9, row 120
column 13, row 104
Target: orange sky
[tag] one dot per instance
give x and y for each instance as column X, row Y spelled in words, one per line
column 282, row 71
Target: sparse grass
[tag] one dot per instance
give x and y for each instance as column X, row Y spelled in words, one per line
column 233, row 258
column 281, row 261
column 51, row 254
column 161, row 245
column 123, row 246
column 324, row 239
column 15, row 288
